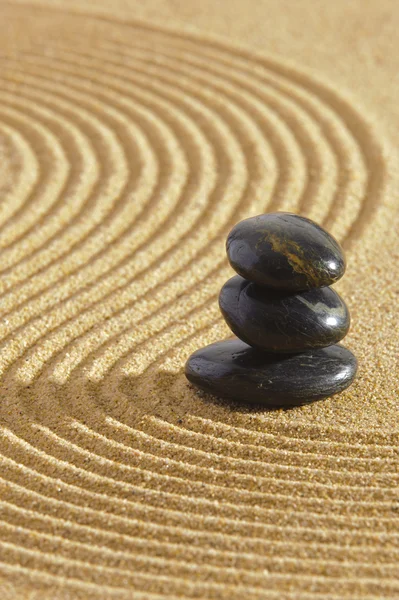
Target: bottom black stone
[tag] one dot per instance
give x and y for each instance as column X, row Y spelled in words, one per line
column 232, row 369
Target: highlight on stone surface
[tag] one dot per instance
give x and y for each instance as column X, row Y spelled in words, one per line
column 281, row 322
column 287, row 318
column 285, row 251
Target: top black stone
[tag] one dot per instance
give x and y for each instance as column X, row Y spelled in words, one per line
column 285, row 251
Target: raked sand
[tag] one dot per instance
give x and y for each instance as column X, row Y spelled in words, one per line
column 132, row 137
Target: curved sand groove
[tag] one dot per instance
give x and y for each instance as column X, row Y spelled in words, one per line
column 248, row 566
column 176, row 501
column 107, row 176
column 213, row 480
column 206, row 530
column 55, row 159
column 47, row 203
column 19, row 171
column 145, row 146
column 109, row 576
column 56, row 270
column 374, row 151
column 171, row 150
column 339, row 139
column 81, row 534
column 212, row 460
column 303, row 102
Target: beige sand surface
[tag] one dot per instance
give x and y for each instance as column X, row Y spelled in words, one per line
column 132, row 137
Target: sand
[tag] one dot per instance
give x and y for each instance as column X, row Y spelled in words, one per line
column 132, row 137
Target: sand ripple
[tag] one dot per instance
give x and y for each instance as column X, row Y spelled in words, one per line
column 128, row 152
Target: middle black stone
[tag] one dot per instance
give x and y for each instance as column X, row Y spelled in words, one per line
column 281, row 322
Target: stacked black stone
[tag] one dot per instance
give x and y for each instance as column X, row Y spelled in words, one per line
column 287, row 319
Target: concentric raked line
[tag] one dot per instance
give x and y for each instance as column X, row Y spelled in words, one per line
column 255, row 554
column 392, row 481
column 242, row 485
column 251, row 564
column 95, row 549
column 55, row 159
column 56, row 465
column 210, row 66
column 17, row 577
column 237, row 465
column 54, row 584
column 199, row 450
column 88, row 590
column 361, row 449
column 170, row 148
column 303, row 102
column 281, row 503
column 257, row 529
column 103, row 576
column 79, row 147
column 247, row 579
column 362, row 437
column 37, row 140
column 373, row 147
column 128, row 547
column 64, row 448
column 19, row 290
column 250, row 524
column 258, row 104
column 176, row 526
column 119, row 169
column 355, row 448
column 17, row 179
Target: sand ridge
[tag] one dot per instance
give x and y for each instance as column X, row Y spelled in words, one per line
column 128, row 151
